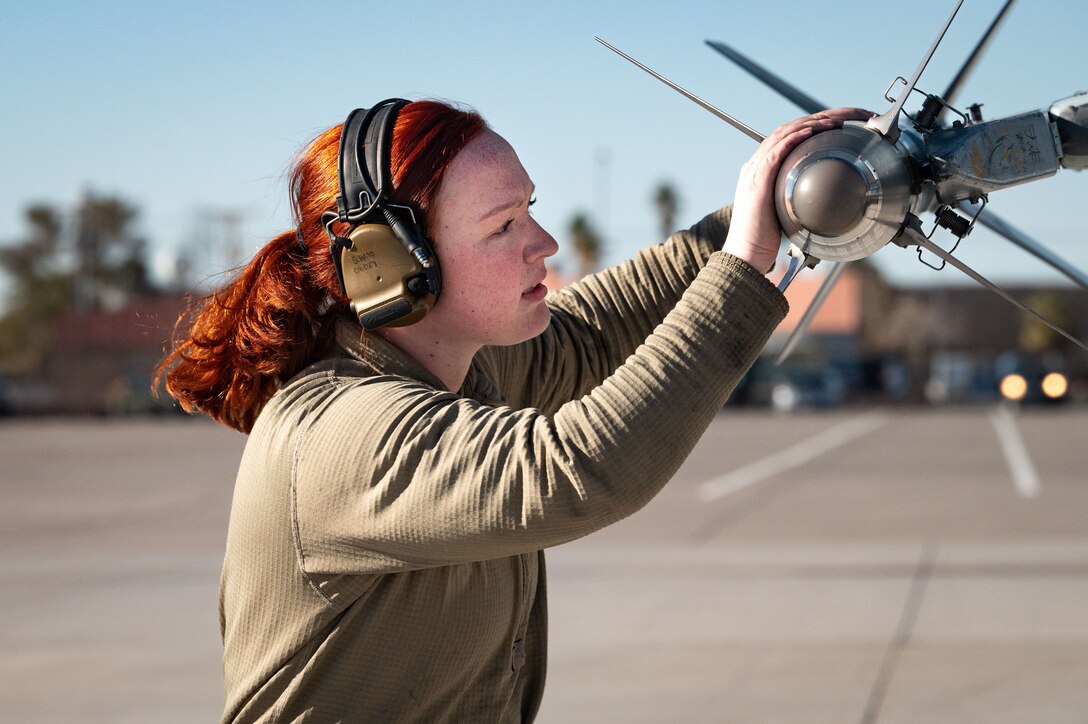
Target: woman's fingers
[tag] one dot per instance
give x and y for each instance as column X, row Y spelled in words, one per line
column 776, row 146
column 754, row 233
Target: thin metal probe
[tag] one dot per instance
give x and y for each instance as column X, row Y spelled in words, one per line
column 832, row 278
column 914, row 237
column 742, row 127
column 887, row 124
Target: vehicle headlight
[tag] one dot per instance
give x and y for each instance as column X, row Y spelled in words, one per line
column 1014, row 387
column 1055, row 385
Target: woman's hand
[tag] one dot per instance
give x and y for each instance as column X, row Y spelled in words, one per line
column 754, row 233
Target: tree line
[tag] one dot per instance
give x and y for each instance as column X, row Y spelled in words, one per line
column 93, row 257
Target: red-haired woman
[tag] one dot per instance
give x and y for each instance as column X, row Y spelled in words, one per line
column 384, row 557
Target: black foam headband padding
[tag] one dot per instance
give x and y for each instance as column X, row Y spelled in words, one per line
column 364, row 167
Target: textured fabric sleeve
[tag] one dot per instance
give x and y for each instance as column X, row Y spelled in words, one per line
column 394, row 475
column 599, row 321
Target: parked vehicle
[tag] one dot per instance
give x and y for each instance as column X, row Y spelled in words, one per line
column 1031, row 379
column 791, row 387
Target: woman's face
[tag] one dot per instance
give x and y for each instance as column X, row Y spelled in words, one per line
column 490, row 247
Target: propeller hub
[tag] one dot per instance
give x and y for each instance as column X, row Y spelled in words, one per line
column 829, row 197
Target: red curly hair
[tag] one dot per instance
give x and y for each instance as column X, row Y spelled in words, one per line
column 245, row 340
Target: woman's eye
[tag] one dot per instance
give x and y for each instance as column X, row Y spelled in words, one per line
column 509, row 222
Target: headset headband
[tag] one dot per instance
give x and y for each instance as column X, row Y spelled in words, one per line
column 361, row 193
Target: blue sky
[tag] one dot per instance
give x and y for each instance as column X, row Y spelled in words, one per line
column 197, row 108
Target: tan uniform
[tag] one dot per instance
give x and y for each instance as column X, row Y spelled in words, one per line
column 385, row 553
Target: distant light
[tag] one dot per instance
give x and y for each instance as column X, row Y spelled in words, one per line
column 1014, row 387
column 784, row 397
column 1055, row 385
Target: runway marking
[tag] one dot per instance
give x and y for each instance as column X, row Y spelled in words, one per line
column 1016, row 455
column 793, row 457
column 904, row 631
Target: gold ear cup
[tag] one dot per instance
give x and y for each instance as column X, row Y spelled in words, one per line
column 377, row 268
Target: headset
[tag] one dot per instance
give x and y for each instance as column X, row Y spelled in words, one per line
column 385, row 265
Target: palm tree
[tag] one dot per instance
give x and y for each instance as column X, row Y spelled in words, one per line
column 109, row 254
column 666, row 202
column 586, row 242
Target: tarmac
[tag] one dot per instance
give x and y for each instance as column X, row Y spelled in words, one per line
column 861, row 565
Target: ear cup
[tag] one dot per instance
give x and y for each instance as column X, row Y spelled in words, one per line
column 386, row 284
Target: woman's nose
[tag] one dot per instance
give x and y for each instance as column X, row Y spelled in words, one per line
column 542, row 245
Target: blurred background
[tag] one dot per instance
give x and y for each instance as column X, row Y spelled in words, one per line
column 145, row 150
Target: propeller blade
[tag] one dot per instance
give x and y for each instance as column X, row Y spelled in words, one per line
column 994, row 223
column 972, row 60
column 798, row 332
column 914, row 236
column 742, row 127
column 791, row 92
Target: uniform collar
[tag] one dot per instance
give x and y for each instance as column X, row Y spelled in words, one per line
column 384, row 357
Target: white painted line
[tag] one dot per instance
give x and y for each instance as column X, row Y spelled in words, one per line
column 1023, row 472
column 793, row 457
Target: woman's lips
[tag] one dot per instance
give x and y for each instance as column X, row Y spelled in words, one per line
column 535, row 293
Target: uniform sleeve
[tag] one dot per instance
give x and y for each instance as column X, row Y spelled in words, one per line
column 393, row 475
column 598, row 322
